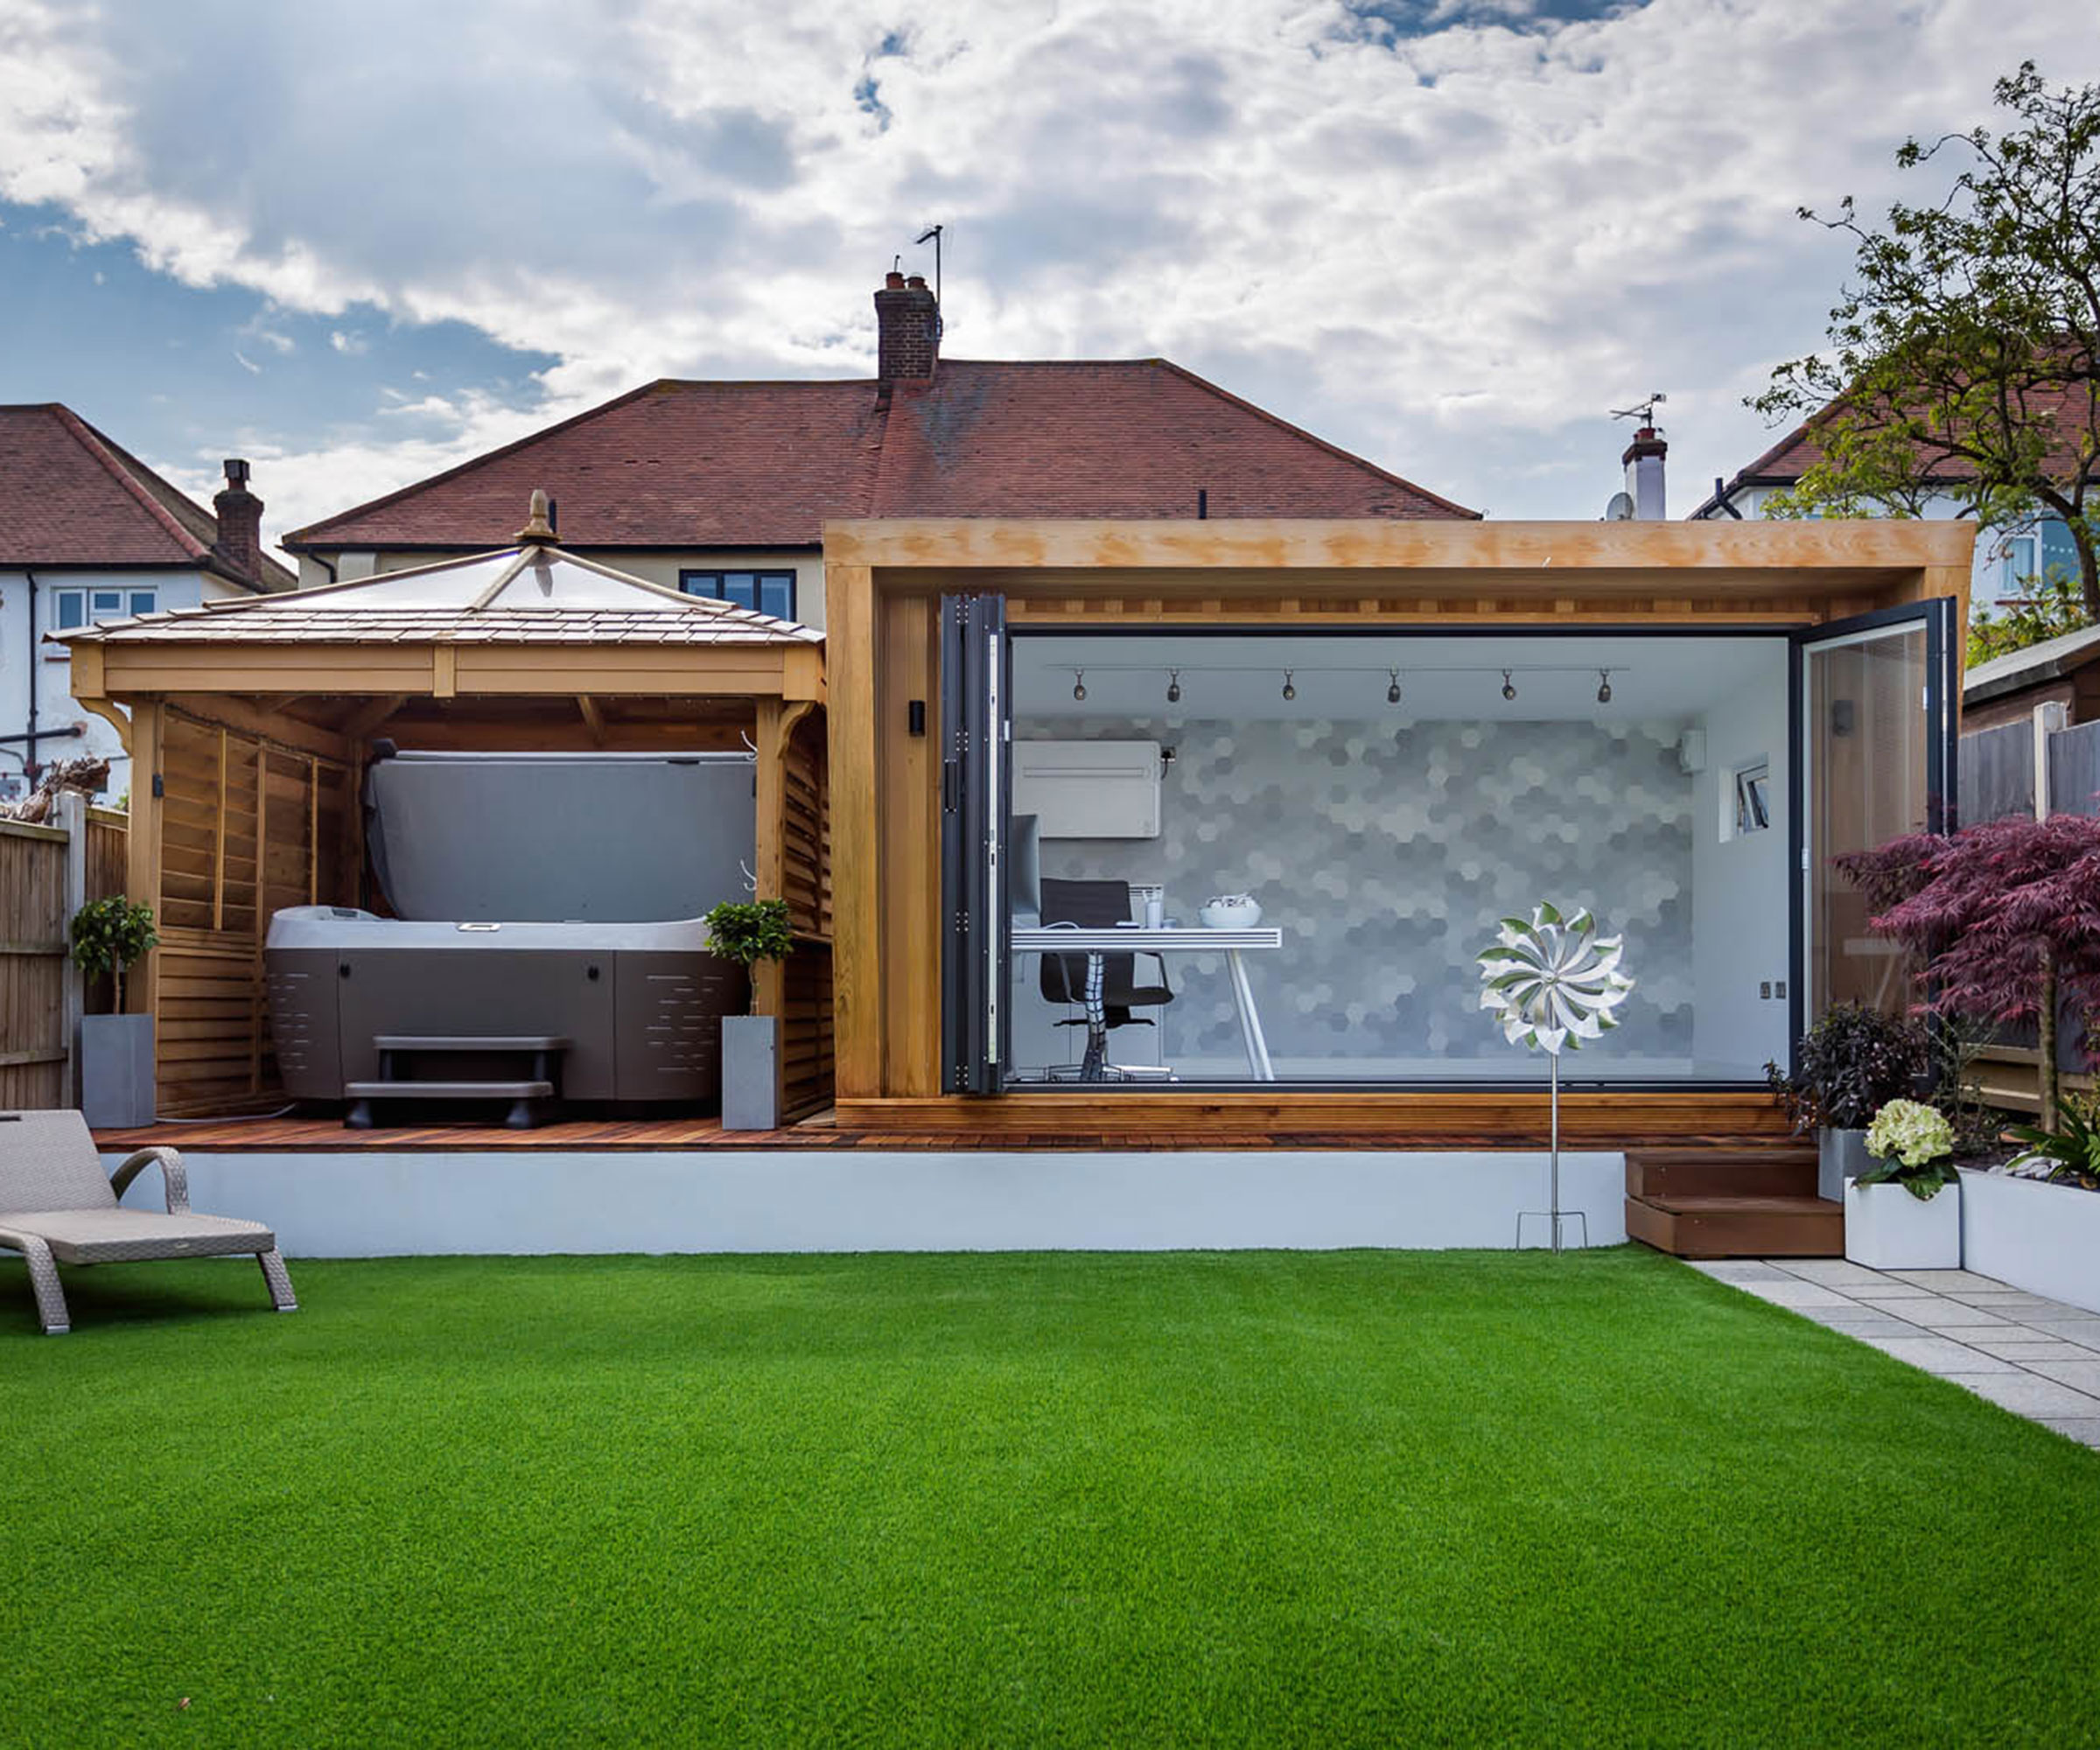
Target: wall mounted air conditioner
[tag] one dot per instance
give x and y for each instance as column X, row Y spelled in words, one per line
column 1088, row 789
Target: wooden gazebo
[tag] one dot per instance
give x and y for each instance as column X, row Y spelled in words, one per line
column 250, row 723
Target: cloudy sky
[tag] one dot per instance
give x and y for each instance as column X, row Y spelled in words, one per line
column 357, row 243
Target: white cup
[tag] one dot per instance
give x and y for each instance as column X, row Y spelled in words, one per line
column 1155, row 911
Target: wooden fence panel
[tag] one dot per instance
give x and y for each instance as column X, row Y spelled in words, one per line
column 2075, row 770
column 1997, row 772
column 33, row 1047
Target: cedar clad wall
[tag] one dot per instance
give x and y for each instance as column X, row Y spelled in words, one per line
column 32, row 966
column 806, row 1036
column 247, row 827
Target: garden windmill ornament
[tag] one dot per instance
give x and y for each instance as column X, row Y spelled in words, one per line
column 1552, row 982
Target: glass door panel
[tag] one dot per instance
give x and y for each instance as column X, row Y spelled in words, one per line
column 1876, row 732
column 976, row 791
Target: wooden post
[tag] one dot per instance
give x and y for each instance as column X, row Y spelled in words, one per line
column 73, row 815
column 857, row 917
column 254, row 1031
column 313, row 831
column 219, row 844
column 143, row 848
column 769, row 859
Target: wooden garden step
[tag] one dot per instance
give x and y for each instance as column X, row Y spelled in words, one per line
column 1744, row 1226
column 1653, row 1174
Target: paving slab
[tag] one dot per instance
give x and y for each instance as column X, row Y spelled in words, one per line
column 1833, row 1272
column 2083, row 1375
column 1736, row 1272
column 1894, row 1291
column 1792, row 1292
column 2027, row 1395
column 2015, row 1305
column 1941, row 1355
column 2025, row 1347
column 1858, row 1322
column 1948, row 1315
column 2083, row 1332
column 1947, row 1281
column 2085, row 1429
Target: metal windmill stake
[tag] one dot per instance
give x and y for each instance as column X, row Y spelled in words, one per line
column 1552, row 982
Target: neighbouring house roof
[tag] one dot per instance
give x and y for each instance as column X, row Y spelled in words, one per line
column 2051, row 659
column 688, row 465
column 70, row 497
column 530, row 594
column 2067, row 406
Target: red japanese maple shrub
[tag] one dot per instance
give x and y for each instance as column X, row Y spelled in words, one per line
column 2006, row 917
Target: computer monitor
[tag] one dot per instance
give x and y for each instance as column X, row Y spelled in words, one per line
column 1025, row 870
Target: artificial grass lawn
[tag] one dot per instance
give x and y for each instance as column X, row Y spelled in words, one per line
column 1374, row 1498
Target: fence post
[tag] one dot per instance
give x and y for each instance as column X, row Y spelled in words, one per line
column 73, row 815
column 2048, row 719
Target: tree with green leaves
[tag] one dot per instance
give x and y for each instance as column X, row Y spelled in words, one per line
column 1963, row 359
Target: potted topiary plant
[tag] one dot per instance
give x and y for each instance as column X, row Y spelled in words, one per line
column 749, row 932
column 1852, row 1063
column 1904, row 1212
column 117, row 1050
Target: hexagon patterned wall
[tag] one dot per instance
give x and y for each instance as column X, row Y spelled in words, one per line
column 1386, row 851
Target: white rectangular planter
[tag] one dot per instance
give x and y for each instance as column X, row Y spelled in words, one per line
column 1841, row 1156
column 1885, row 1227
column 2042, row 1237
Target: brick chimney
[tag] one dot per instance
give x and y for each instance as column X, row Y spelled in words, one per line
column 240, row 513
column 1643, row 464
column 907, row 322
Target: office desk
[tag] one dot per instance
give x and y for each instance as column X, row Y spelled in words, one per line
column 1095, row 943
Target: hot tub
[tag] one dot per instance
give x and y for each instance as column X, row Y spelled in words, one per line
column 641, row 1003
column 554, row 896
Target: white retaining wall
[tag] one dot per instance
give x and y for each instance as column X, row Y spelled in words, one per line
column 375, row 1204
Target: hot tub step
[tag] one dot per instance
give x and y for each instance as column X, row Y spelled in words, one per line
column 523, row 1095
column 471, row 1042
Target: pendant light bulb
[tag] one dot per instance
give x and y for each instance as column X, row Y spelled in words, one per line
column 1174, row 686
column 1079, row 684
column 1508, row 686
column 1289, row 691
column 1392, row 691
column 1604, row 686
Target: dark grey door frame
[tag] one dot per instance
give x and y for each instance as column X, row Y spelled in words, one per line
column 976, row 668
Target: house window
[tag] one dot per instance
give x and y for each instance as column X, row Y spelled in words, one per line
column 74, row 605
column 2019, row 564
column 769, row 592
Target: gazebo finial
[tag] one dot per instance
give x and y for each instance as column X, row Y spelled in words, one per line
column 536, row 529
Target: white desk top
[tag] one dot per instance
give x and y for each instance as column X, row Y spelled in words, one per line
column 1051, row 938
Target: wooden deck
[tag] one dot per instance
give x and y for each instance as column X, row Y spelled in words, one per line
column 328, row 1136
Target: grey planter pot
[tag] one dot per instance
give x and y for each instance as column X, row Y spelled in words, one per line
column 1841, row 1156
column 117, row 1071
column 751, row 1073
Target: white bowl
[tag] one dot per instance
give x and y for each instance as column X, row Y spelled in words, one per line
column 1240, row 913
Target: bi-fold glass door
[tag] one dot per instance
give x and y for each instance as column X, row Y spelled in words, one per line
column 1876, row 713
column 976, row 793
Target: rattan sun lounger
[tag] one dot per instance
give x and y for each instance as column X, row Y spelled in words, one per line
column 56, row 1207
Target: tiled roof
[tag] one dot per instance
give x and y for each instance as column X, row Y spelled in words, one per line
column 521, row 595
column 686, row 464
column 2069, row 407
column 69, row 496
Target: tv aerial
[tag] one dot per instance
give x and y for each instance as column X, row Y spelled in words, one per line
column 1642, row 410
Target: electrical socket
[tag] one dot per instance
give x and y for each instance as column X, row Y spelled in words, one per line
column 1764, row 990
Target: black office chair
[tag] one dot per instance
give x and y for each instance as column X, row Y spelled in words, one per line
column 1097, row 905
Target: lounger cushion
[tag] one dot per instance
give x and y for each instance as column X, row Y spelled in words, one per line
column 120, row 1236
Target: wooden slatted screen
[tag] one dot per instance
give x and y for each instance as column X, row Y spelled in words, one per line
column 247, row 827
column 806, row 1022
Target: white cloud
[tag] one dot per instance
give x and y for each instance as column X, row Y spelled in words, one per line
column 348, row 344
column 1452, row 251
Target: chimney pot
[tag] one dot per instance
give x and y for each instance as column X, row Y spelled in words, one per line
column 915, row 282
column 893, row 281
